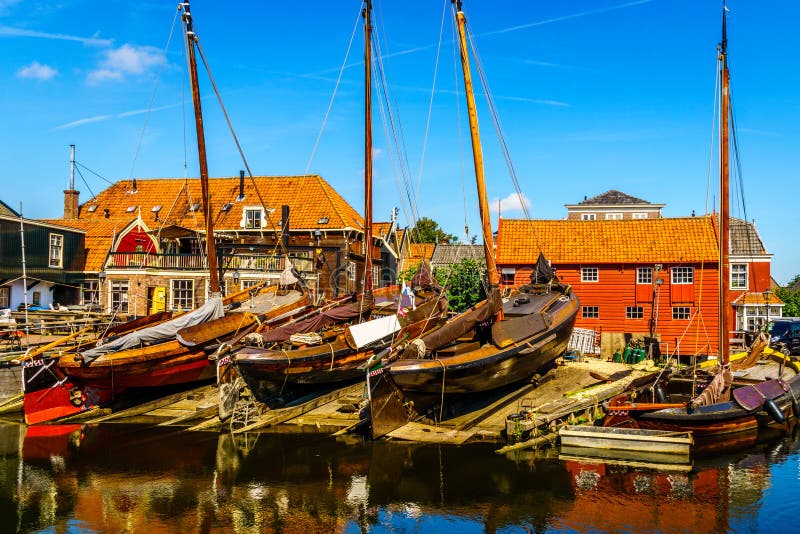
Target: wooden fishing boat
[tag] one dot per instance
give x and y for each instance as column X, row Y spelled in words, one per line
column 496, row 343
column 284, row 370
column 726, row 405
column 154, row 352
column 278, row 376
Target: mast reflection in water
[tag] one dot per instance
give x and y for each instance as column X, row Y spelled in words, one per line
column 119, row 478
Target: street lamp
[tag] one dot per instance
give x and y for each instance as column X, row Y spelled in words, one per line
column 236, row 278
column 101, row 277
column 767, row 299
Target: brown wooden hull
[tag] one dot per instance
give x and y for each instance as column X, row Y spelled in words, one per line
column 288, row 373
column 716, row 419
column 489, row 367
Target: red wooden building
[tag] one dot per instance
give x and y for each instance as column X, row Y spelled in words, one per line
column 629, row 273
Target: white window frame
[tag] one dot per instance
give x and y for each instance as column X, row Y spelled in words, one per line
column 678, row 313
column 248, row 283
column 90, row 289
column 742, row 276
column 644, row 276
column 640, row 215
column 255, row 216
column 682, row 275
column 178, row 299
column 119, row 295
column 614, row 216
column 594, row 312
column 351, row 271
column 58, row 249
column 376, row 276
column 634, row 312
column 588, row 277
column 588, row 216
column 508, row 272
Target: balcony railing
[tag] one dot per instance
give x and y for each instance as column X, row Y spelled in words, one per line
column 195, row 262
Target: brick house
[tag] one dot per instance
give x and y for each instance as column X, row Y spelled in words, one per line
column 630, row 272
column 613, row 205
column 145, row 239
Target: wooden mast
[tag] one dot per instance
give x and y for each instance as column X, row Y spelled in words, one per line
column 477, row 152
column 724, row 200
column 367, row 13
column 211, row 251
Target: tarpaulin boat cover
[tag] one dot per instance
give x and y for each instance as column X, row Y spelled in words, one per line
column 543, row 272
column 461, row 324
column 165, row 331
column 318, row 321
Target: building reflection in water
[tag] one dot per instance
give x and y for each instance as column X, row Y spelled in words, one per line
column 133, row 479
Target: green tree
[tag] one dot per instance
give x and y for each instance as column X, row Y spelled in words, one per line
column 428, row 231
column 791, row 299
column 463, row 282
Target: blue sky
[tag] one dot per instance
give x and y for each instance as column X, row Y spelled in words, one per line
column 592, row 95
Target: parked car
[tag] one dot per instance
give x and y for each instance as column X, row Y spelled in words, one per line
column 786, row 330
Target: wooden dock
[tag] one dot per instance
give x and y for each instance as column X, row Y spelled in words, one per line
column 570, row 393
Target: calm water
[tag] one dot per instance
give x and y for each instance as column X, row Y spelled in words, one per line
column 116, row 478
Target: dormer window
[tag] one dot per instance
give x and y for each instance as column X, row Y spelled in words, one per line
column 130, row 209
column 92, row 208
column 155, row 209
column 194, row 207
column 323, row 220
column 226, row 207
column 253, row 218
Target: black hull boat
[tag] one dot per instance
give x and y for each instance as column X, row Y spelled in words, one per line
column 491, row 365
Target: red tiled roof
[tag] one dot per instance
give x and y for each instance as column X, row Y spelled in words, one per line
column 757, row 299
column 310, row 199
column 420, row 251
column 668, row 240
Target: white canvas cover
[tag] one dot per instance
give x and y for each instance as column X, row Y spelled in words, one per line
column 165, row 331
column 365, row 333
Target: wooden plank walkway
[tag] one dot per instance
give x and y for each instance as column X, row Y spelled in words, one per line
column 568, row 391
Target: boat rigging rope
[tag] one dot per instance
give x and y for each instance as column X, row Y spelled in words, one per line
column 153, row 95
column 430, row 102
column 713, row 133
column 333, row 95
column 278, row 241
column 500, row 135
column 394, row 135
column 402, row 152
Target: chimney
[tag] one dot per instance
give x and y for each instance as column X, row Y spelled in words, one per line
column 71, row 195
column 241, row 186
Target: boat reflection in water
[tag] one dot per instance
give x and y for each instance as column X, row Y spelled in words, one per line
column 120, row 478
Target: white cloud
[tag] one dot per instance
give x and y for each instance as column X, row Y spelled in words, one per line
column 96, row 118
column 37, row 71
column 8, row 31
column 127, row 59
column 377, row 153
column 102, row 75
column 511, row 204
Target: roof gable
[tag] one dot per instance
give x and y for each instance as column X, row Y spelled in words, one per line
column 7, row 211
column 613, row 198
